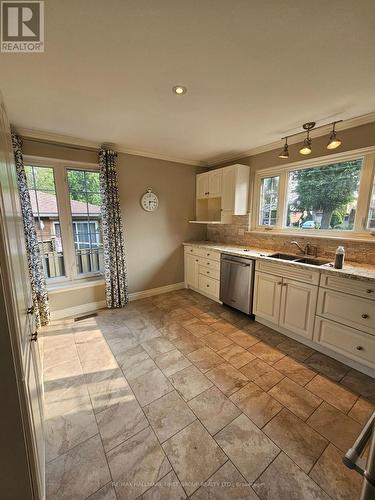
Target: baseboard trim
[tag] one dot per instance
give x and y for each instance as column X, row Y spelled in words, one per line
column 77, row 310
column 156, row 291
column 93, row 306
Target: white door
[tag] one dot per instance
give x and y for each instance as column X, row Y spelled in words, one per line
column 202, row 185
column 214, row 183
column 191, row 270
column 267, row 291
column 20, row 326
column 298, row 304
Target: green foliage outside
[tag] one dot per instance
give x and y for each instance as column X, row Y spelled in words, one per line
column 328, row 189
column 83, row 186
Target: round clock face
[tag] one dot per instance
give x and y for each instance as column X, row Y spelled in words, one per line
column 149, row 201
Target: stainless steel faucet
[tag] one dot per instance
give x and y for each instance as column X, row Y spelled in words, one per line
column 308, row 250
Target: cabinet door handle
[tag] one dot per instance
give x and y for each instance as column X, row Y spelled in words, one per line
column 208, row 286
column 285, row 284
column 208, row 263
column 279, row 283
column 207, row 272
column 364, row 316
column 196, row 260
column 369, row 290
column 359, row 348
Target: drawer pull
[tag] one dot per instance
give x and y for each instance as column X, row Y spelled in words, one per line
column 196, row 260
column 208, row 254
column 208, row 263
column 369, row 290
column 191, row 250
column 364, row 316
column 208, row 286
column 207, row 272
column 359, row 348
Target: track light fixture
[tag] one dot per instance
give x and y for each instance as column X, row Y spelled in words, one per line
column 306, row 147
column 333, row 143
column 284, row 153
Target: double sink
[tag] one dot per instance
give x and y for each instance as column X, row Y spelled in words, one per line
column 301, row 260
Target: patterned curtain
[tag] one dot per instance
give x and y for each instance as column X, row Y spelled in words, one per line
column 116, row 280
column 37, row 279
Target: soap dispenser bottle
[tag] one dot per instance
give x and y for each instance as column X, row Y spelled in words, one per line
column 339, row 257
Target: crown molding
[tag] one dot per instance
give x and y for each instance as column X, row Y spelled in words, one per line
column 67, row 140
column 54, row 138
column 346, row 124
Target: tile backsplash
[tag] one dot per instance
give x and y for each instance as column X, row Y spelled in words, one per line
column 356, row 251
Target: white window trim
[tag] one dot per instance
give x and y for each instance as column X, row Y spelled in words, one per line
column 359, row 231
column 60, row 169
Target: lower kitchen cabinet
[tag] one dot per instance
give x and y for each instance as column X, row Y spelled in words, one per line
column 333, row 314
column 267, row 293
column 349, row 342
column 297, row 309
column 286, row 303
column 202, row 271
column 191, row 270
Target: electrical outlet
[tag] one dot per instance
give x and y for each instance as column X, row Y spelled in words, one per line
column 241, row 232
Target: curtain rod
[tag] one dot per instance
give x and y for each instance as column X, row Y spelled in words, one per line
column 62, row 144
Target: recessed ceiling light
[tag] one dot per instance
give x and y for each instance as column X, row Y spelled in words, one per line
column 179, row 90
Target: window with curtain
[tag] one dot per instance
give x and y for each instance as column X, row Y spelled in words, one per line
column 67, row 216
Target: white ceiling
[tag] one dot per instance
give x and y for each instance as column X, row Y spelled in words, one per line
column 254, row 69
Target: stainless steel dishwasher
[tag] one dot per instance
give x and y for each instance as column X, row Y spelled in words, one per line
column 236, row 282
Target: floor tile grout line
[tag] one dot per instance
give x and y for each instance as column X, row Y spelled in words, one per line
column 95, row 492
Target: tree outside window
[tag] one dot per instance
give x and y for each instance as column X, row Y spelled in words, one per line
column 324, row 197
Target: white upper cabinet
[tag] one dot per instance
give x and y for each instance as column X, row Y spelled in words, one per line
column 222, row 193
column 202, row 185
column 209, row 184
column 214, row 183
column 235, row 191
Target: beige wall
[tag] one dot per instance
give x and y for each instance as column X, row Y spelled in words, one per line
column 65, row 299
column 152, row 240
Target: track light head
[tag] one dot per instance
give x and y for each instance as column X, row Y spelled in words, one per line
column 334, row 142
column 284, row 153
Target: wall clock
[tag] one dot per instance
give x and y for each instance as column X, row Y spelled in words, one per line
column 149, row 201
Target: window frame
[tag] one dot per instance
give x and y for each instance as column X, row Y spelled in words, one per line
column 363, row 203
column 60, row 170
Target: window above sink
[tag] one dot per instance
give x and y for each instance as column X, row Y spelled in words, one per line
column 333, row 196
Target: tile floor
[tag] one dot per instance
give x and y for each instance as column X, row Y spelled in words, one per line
column 178, row 397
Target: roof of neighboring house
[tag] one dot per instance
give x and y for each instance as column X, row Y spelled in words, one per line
column 47, row 205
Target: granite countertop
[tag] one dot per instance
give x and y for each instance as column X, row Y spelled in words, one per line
column 352, row 270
